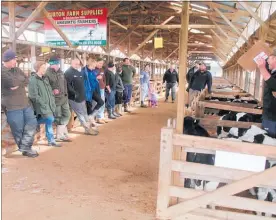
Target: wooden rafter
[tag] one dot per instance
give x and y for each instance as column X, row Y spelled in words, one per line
column 256, row 17
column 152, row 34
column 35, row 13
column 112, row 7
column 131, row 30
column 229, row 23
column 124, row 27
column 178, row 26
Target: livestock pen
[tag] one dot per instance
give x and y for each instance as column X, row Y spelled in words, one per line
column 174, row 201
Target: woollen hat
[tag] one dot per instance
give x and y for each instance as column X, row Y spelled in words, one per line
column 8, row 55
column 54, row 60
column 110, row 65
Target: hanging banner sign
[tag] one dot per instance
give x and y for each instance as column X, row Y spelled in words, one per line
column 82, row 27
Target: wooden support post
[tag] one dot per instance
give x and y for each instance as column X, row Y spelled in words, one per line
column 257, row 84
column 62, row 60
column 12, row 25
column 182, row 82
column 33, row 57
column 164, row 180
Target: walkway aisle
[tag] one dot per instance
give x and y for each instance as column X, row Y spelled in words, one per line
column 109, row 177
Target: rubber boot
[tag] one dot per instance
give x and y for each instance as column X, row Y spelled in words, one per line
column 114, row 113
column 89, row 130
column 61, row 130
column 110, row 115
column 143, row 105
column 126, row 108
column 120, row 109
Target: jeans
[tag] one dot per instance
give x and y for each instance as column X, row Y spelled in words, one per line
column 81, row 111
column 270, row 127
column 23, row 125
column 110, row 100
column 127, row 93
column 62, row 114
column 170, row 86
column 144, row 91
column 101, row 110
column 48, row 121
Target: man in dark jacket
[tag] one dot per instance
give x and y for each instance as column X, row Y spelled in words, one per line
column 171, row 78
column 76, row 95
column 20, row 115
column 199, row 81
column 110, row 90
column 128, row 73
column 269, row 95
column 192, row 71
column 59, row 87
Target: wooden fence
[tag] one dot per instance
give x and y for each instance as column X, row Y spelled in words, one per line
column 191, row 204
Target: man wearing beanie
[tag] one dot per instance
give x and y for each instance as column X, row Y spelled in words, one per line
column 59, row 87
column 20, row 115
column 269, row 94
column 110, row 90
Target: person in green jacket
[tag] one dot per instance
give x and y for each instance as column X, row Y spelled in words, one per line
column 43, row 101
column 59, row 87
column 128, row 73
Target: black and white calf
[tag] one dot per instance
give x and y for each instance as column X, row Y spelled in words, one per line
column 224, row 132
column 192, row 127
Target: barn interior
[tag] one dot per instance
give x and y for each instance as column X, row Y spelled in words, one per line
column 217, row 33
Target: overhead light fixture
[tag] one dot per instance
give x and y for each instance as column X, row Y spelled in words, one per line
column 199, row 6
column 176, row 4
column 194, row 9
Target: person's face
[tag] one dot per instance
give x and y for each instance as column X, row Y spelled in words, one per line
column 91, row 63
column 127, row 62
column 11, row 63
column 147, row 68
column 197, row 66
column 172, row 67
column 271, row 62
column 100, row 64
column 42, row 69
column 56, row 67
column 76, row 65
column 202, row 68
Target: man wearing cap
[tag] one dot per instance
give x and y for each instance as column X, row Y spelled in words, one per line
column 110, row 90
column 59, row 87
column 20, row 115
column 198, row 82
column 269, row 95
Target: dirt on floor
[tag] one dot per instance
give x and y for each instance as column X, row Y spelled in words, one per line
column 111, row 176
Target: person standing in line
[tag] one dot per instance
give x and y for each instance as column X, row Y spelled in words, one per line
column 92, row 90
column 171, row 78
column 128, row 73
column 43, row 100
column 110, row 90
column 20, row 115
column 144, row 82
column 76, row 96
column 101, row 78
column 199, row 81
column 119, row 91
column 269, row 94
column 59, row 87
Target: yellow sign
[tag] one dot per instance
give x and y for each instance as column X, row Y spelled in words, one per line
column 45, row 49
column 158, row 42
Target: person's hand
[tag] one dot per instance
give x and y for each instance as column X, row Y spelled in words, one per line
column 14, row 88
column 109, row 90
column 261, row 63
column 99, row 77
column 56, row 91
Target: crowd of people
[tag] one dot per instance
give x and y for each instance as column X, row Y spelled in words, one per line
column 52, row 94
